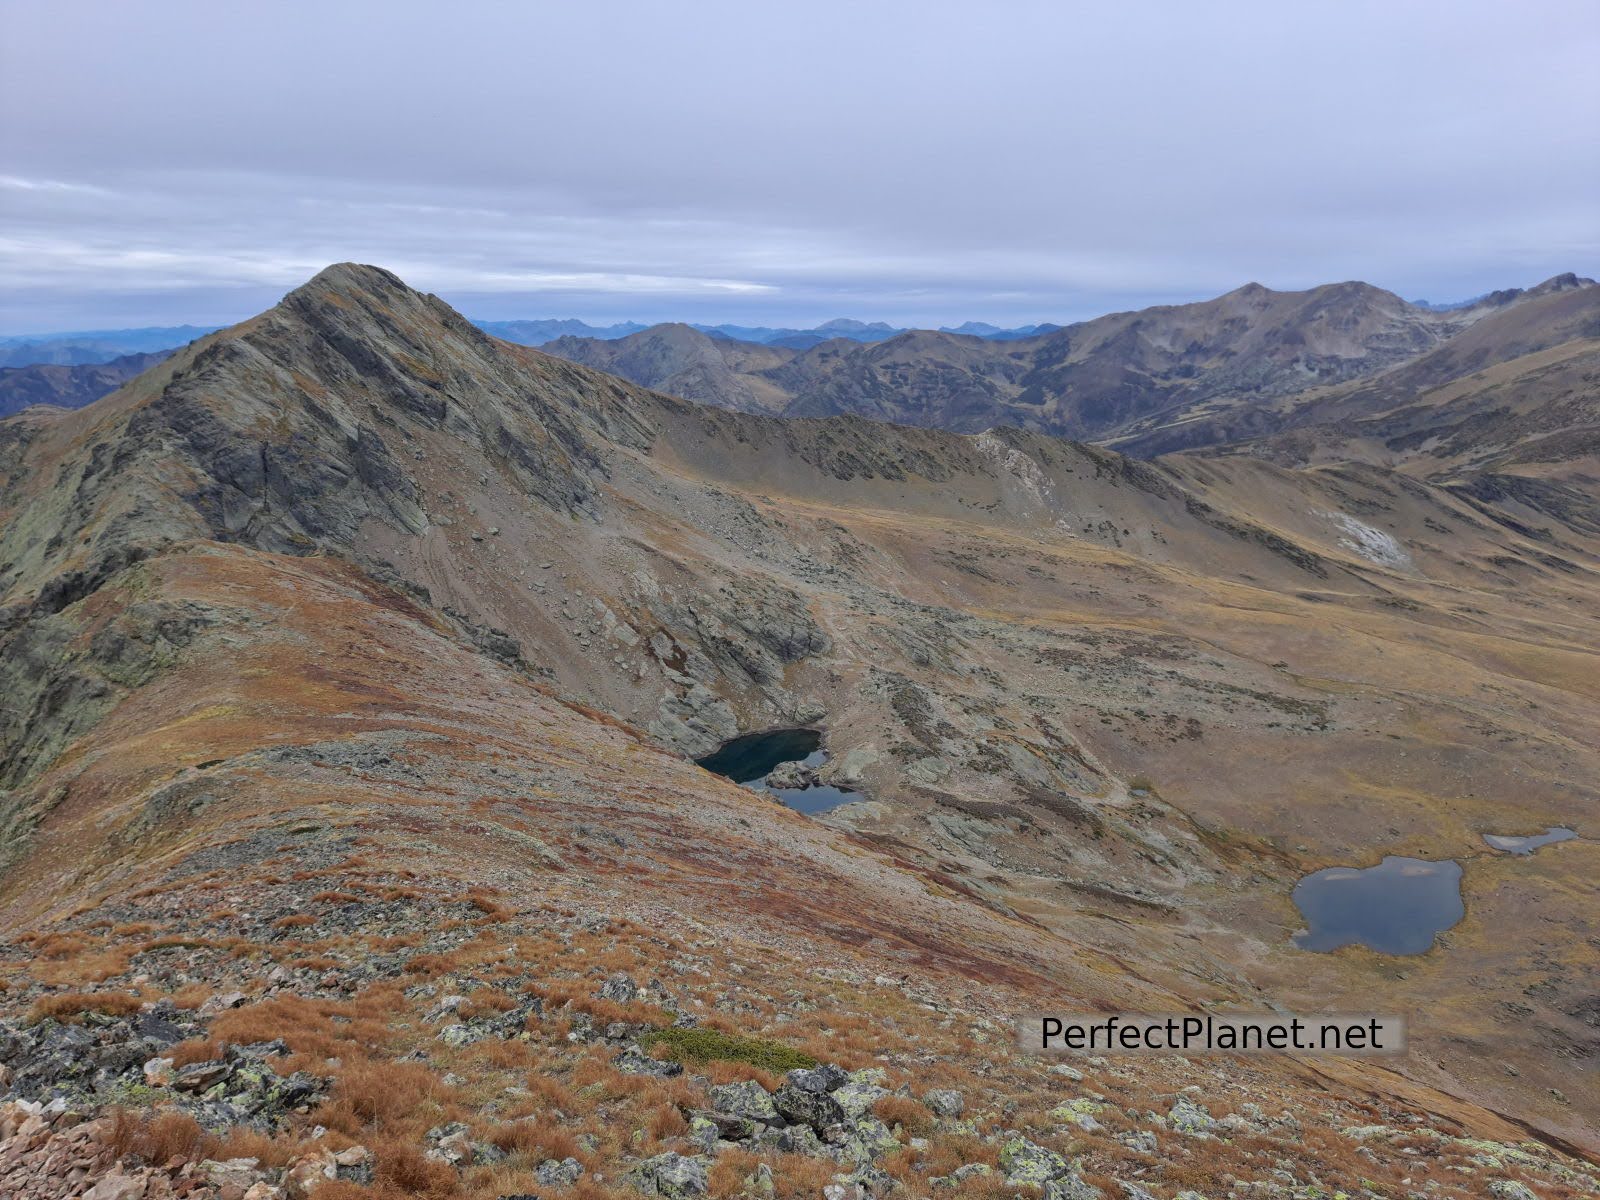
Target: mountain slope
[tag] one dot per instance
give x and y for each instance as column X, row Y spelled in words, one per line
column 685, row 362
column 353, row 580
column 1108, row 374
column 1515, row 375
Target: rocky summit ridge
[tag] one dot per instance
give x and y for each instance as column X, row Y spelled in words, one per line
column 352, row 846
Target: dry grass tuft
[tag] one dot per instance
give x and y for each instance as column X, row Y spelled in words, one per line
column 242, row 1142
column 429, row 965
column 491, row 910
column 337, row 898
column 58, row 946
column 666, row 1122
column 909, row 1114
column 176, row 941
column 402, row 1167
column 539, row 1139
column 375, row 1093
column 486, row 1002
column 725, row 1071
column 70, row 1006
column 192, row 995
column 157, row 1138
column 194, row 1050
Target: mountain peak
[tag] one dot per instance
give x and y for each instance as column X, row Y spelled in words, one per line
column 350, row 280
column 1250, row 291
column 1566, row 282
column 850, row 325
column 355, row 275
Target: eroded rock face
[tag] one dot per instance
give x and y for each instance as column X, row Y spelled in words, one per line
column 1188, row 1117
column 1025, row 1162
column 791, row 775
column 801, row 1106
column 564, row 1173
column 944, row 1102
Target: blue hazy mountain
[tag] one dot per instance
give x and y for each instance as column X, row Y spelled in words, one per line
column 994, row 333
column 537, row 333
column 85, row 347
column 540, row 333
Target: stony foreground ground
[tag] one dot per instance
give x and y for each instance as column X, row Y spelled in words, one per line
column 339, row 1028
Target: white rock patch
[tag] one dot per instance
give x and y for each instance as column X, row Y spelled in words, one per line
column 1372, row 544
column 1019, row 466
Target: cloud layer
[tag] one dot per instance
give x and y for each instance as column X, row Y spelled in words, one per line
column 922, row 162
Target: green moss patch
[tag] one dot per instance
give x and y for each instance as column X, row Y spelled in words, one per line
column 707, row 1045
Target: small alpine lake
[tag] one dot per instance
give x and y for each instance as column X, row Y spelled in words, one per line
column 1400, row 905
column 1395, row 907
column 1527, row 845
column 763, row 761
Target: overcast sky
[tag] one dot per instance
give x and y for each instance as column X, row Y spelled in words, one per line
column 923, row 163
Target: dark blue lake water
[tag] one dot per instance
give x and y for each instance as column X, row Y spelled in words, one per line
column 1395, row 907
column 749, row 759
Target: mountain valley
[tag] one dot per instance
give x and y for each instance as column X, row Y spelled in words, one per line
column 357, row 660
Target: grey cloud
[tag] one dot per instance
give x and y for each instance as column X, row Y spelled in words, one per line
column 918, row 162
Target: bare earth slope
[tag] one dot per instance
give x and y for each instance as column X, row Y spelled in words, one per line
column 353, row 602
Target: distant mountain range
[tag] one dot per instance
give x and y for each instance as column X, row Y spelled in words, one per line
column 95, row 345
column 72, row 369
column 1336, row 373
column 1515, row 391
column 540, row 333
column 1250, row 365
column 84, row 347
column 537, row 333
